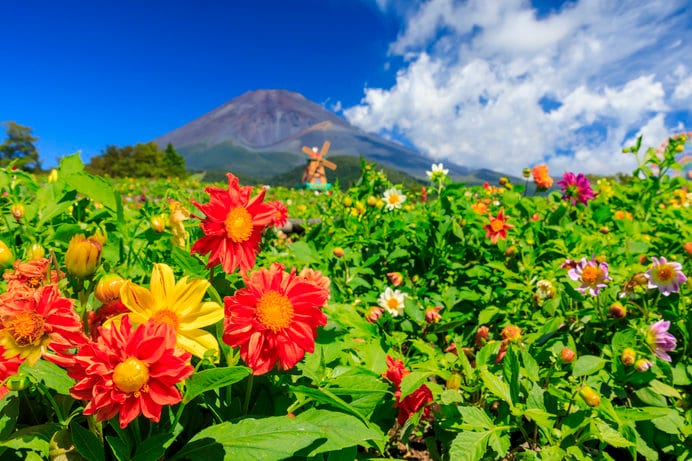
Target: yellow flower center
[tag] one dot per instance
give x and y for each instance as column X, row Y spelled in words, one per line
column 590, row 275
column 393, row 303
column 274, row 310
column 497, row 225
column 26, row 328
column 131, row 375
column 33, row 282
column 166, row 316
column 394, row 199
column 238, row 224
column 664, row 273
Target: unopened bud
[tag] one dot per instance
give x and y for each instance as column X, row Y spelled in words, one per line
column 371, row 201
column 157, row 224
column 454, row 381
column 17, row 211
column 511, row 333
column 567, row 355
column 432, row 314
column 338, row 252
column 83, row 256
column 617, row 310
column 395, row 278
column 347, row 202
column 35, row 252
column 526, row 172
column 642, row 364
column 108, row 288
column 374, row 314
column 6, row 256
column 590, row 396
column 628, row 357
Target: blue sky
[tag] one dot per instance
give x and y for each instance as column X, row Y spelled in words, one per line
column 494, row 84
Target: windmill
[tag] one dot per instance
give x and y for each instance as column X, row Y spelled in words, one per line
column 314, row 177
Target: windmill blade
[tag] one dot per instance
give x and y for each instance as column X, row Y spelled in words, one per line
column 328, row 164
column 308, row 151
column 325, row 148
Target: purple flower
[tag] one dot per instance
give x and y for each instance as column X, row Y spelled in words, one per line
column 660, row 341
column 576, row 188
column 665, row 276
column 591, row 274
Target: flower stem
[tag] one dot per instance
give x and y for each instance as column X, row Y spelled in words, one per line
column 248, row 392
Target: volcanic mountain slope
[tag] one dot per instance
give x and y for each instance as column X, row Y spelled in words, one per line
column 261, row 133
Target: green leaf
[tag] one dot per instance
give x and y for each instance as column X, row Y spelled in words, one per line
column 32, row 438
column 213, row 378
column 587, row 365
column 342, row 430
column 671, row 424
column 52, row 375
column 70, row 164
column 611, row 436
column 303, row 253
column 486, row 315
column 469, row 446
column 542, row 418
column 94, row 187
column 87, row 443
column 651, row 397
column 266, row 439
column 475, row 418
column 664, row 389
column 530, row 366
column 120, row 449
column 496, row 386
column 152, row 448
column 552, row 454
column 510, row 371
column 9, row 411
column 413, row 381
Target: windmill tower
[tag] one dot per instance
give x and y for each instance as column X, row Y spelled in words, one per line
column 314, row 176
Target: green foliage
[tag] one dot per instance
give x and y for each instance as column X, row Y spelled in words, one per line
column 143, row 160
column 18, row 148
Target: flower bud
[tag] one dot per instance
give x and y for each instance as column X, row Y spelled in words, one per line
column 511, row 333
column 482, row 335
column 374, row 314
column 18, row 382
column 396, row 278
column 590, row 396
column 83, row 255
column 432, row 314
column 503, row 180
column 617, row 310
column 628, row 357
column 35, row 252
column 157, row 224
column 6, row 256
column 526, row 172
column 511, row 251
column 17, row 211
column 454, row 381
column 567, row 355
column 347, row 202
column 338, row 252
column 642, row 364
column 53, row 175
column 372, row 201
column 108, row 288
column 688, row 248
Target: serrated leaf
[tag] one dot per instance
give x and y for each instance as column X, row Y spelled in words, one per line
column 52, row 375
column 496, row 386
column 542, row 418
column 94, row 187
column 475, row 418
column 413, row 381
column 611, row 436
column 266, row 439
column 650, row 397
column 469, row 446
column 664, row 389
column 213, row 378
column 70, row 164
column 342, row 430
column 302, row 252
column 87, row 443
column 671, row 424
column 530, row 366
column 587, row 365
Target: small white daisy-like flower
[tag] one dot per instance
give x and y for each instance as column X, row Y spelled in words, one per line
column 438, row 173
column 392, row 301
column 393, row 198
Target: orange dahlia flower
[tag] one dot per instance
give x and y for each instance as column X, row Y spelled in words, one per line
column 28, row 276
column 233, row 226
column 128, row 371
column 31, row 325
column 497, row 228
column 274, row 318
column 541, row 178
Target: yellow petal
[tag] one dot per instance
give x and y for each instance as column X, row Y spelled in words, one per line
column 162, row 283
column 139, row 300
column 198, row 342
column 207, row 313
column 188, row 295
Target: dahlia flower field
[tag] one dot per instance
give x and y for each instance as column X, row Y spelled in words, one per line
column 172, row 321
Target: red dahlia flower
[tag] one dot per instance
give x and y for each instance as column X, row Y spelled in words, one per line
column 30, row 325
column 497, row 228
column 233, row 226
column 8, row 367
column 274, row 318
column 128, row 371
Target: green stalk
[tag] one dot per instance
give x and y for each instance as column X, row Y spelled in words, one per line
column 248, row 392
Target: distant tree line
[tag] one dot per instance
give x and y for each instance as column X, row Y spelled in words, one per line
column 18, row 148
column 143, row 160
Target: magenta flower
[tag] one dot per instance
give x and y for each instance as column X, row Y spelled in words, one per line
column 660, row 341
column 665, row 276
column 576, row 188
column 591, row 274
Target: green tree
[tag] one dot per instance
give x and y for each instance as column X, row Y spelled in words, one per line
column 143, row 160
column 19, row 147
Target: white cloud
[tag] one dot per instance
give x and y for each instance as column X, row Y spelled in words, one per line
column 476, row 74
